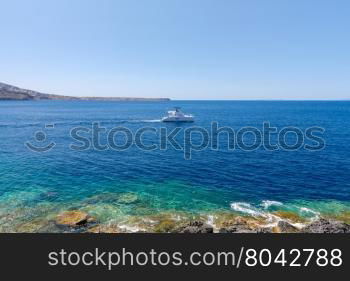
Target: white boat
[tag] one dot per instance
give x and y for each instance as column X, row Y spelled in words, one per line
column 177, row 115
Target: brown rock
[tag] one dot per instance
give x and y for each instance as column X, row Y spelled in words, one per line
column 289, row 216
column 342, row 217
column 165, row 226
column 32, row 226
column 73, row 218
column 104, row 229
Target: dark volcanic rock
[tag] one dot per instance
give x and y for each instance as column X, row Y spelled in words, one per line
column 264, row 230
column 327, row 226
column 244, row 227
column 195, row 227
column 286, row 227
column 238, row 228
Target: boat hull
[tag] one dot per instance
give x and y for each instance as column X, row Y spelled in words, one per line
column 177, row 119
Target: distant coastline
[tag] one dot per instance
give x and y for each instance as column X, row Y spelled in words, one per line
column 9, row 92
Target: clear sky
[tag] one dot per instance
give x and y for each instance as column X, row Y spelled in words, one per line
column 182, row 49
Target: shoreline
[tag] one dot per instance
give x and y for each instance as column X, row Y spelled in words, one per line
column 131, row 212
column 82, row 221
column 49, row 211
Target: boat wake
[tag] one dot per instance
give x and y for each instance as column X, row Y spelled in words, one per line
column 87, row 123
column 151, row 121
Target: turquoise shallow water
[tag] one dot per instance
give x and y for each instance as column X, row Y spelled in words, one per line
column 121, row 186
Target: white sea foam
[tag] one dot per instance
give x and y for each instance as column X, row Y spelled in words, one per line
column 130, row 228
column 315, row 213
column 307, row 210
column 271, row 219
column 268, row 203
column 298, row 225
column 246, row 208
column 149, row 221
column 210, row 220
column 177, row 218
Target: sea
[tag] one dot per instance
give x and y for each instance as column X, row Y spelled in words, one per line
column 120, row 164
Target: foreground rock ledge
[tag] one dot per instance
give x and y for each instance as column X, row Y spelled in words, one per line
column 194, row 227
column 81, row 220
column 327, row 226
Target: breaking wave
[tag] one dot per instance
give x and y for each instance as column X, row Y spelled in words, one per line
column 268, row 203
column 315, row 215
column 271, row 219
column 246, row 208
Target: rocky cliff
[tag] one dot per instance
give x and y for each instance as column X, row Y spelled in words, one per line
column 9, row 92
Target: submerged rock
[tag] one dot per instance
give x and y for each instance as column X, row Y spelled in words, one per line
column 112, row 198
column 52, row 227
column 327, row 226
column 73, row 218
column 195, row 227
column 106, row 197
column 128, row 198
column 165, row 226
column 49, row 195
column 103, row 212
column 32, row 226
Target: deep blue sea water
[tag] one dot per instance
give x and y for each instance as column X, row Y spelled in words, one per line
column 37, row 185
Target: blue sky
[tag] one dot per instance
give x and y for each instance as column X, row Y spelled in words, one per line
column 194, row 49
